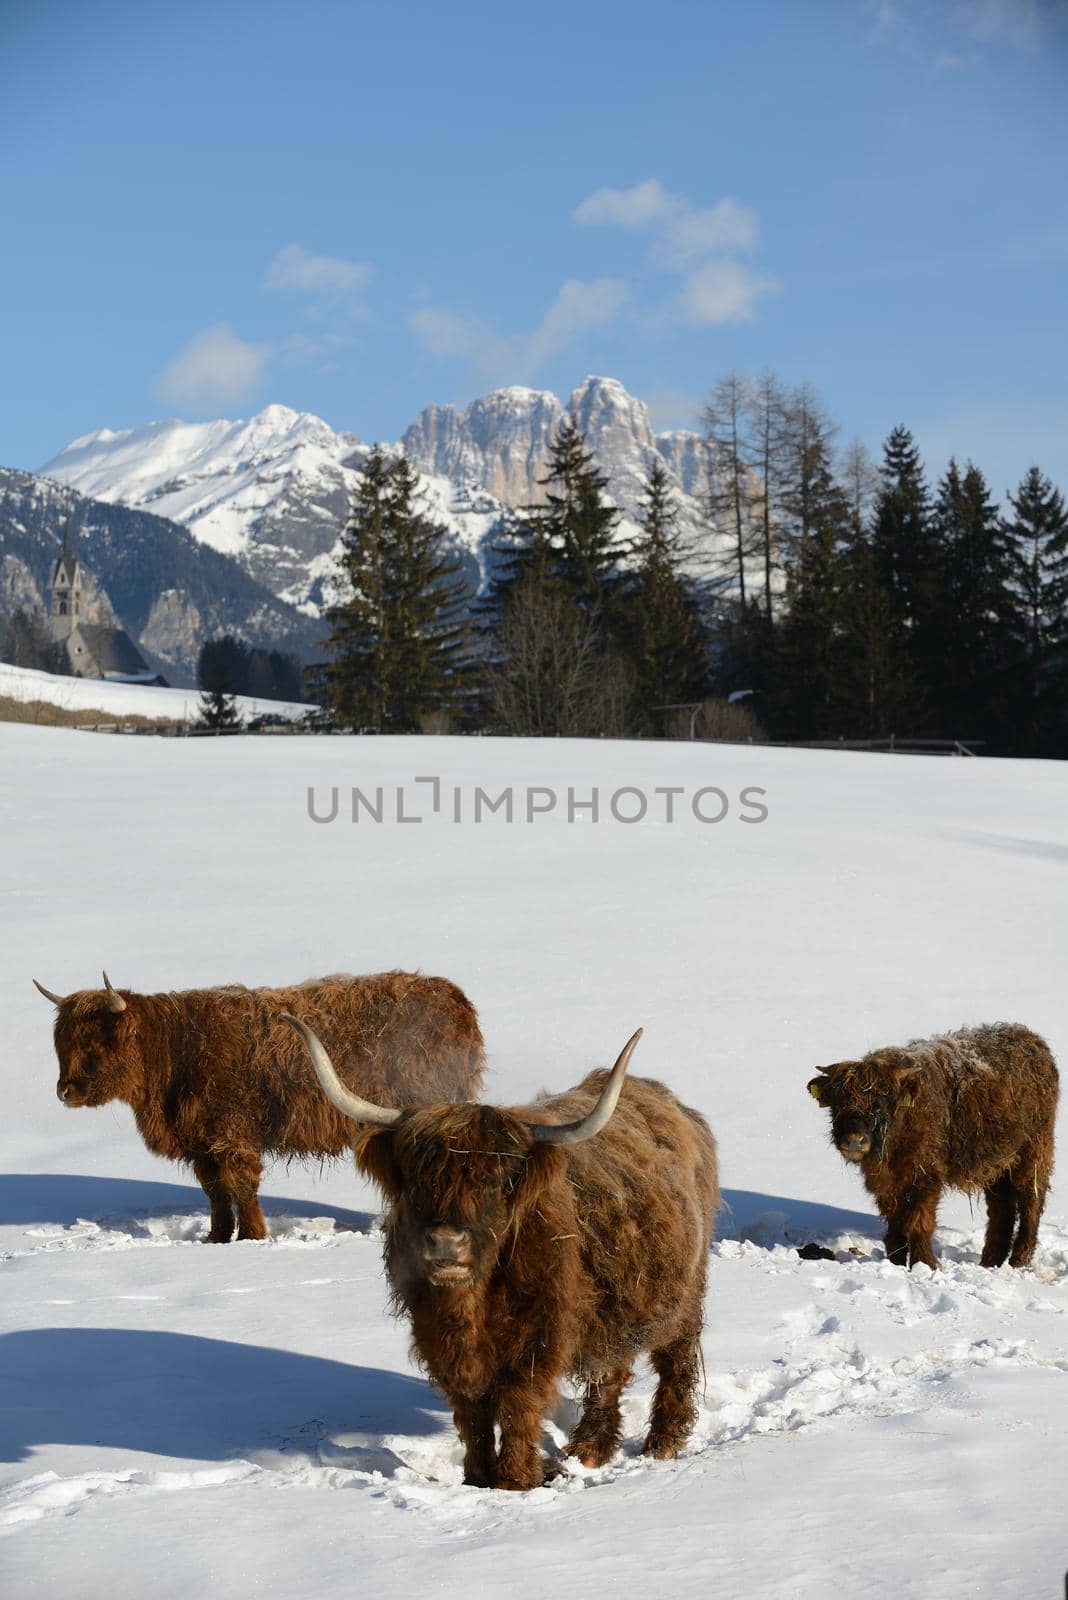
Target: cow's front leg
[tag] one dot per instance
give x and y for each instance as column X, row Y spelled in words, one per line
column 240, row 1172
column 596, row 1434
column 474, row 1423
column 520, row 1407
column 222, row 1211
column 910, row 1228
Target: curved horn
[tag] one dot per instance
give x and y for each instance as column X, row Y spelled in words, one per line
column 594, row 1121
column 115, row 1000
column 349, row 1104
column 56, row 999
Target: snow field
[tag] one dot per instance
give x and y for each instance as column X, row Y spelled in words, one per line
column 173, row 1416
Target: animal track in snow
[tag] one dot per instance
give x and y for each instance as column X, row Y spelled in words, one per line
column 154, row 1229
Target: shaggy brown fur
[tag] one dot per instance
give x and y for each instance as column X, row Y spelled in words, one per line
column 969, row 1110
column 519, row 1263
column 214, row 1079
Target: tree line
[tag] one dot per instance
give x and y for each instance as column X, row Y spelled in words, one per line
column 575, row 632
column 821, row 597
column 892, row 607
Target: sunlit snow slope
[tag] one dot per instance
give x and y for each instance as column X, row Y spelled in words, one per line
column 124, row 699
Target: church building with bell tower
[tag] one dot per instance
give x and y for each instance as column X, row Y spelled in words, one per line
column 92, row 650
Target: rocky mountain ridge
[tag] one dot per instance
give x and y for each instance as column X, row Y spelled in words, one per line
column 272, row 491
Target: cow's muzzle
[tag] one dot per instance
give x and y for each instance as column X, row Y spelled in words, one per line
column 855, row 1146
column 447, row 1256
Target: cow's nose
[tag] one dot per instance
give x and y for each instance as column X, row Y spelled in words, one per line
column 855, row 1145
column 63, row 1090
column 446, row 1244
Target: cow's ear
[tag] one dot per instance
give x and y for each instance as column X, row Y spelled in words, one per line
column 815, row 1089
column 375, row 1154
column 543, row 1166
column 904, row 1078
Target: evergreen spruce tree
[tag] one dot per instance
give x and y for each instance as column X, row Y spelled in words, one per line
column 576, row 524
column 570, row 537
column 521, row 547
column 973, row 612
column 808, row 656
column 221, row 674
column 398, row 641
column 354, row 683
column 1037, row 536
column 878, row 692
column 839, row 664
column 218, row 712
column 427, row 600
column 901, row 534
column 658, row 619
column 904, row 549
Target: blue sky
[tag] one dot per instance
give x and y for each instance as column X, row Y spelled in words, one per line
column 357, row 209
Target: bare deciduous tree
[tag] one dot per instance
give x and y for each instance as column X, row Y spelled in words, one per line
column 768, row 419
column 552, row 676
column 718, row 721
column 731, row 481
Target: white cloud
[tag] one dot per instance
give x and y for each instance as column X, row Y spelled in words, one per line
column 577, row 308
column 682, row 232
column 637, row 207
column 319, row 353
column 322, row 277
column 723, row 291
column 216, row 368
column 448, row 333
column 1017, row 21
column 692, row 233
column 915, row 25
column 695, row 242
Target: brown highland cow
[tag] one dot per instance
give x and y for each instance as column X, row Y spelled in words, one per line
column 215, row 1080
column 969, row 1110
column 562, row 1238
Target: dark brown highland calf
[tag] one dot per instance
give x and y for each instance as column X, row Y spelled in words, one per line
column 562, row 1238
column 216, row 1080
column 969, row 1110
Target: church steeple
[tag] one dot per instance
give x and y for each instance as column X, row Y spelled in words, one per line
column 66, row 588
column 67, row 558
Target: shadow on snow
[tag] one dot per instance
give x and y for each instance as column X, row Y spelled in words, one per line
column 742, row 1208
column 64, row 1198
column 182, row 1396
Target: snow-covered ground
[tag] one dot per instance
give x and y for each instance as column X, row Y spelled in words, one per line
column 124, row 699
column 245, row 1421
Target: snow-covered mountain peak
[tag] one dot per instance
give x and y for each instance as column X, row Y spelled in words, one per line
column 274, row 489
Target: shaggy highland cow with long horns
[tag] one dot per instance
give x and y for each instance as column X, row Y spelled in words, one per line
column 215, row 1080
column 562, row 1238
column 969, row 1110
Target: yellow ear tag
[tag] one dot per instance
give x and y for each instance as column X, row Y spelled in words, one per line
column 906, row 1099
column 816, row 1092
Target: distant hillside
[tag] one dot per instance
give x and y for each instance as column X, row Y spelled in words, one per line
column 169, row 591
